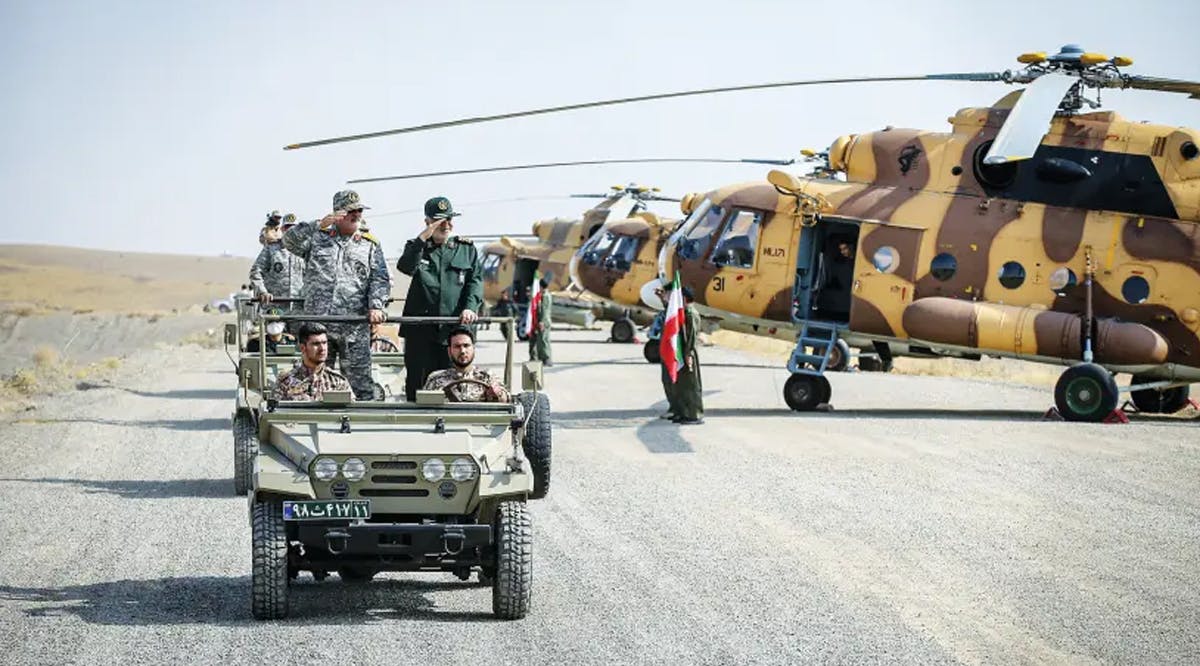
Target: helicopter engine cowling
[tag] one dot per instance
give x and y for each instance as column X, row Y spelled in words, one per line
column 1029, row 331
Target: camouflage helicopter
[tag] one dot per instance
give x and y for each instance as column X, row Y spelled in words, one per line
column 510, row 262
column 1032, row 230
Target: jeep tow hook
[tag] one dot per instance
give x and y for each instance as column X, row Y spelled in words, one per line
column 336, row 541
column 453, row 542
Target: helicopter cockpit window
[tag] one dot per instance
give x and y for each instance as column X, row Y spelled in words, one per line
column 695, row 244
column 491, row 267
column 598, row 248
column 737, row 245
column 624, row 251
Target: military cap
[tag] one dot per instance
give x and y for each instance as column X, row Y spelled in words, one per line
column 347, row 200
column 290, row 218
column 460, row 329
column 273, row 218
column 439, row 208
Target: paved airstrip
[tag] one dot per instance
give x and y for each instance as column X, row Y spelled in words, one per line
column 925, row 520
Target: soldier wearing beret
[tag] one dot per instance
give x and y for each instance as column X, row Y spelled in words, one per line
column 447, row 281
column 344, row 274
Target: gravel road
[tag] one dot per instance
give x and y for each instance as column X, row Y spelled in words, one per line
column 925, row 520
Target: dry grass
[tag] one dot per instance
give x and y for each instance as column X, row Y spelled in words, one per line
column 988, row 369
column 29, row 290
column 208, row 339
column 48, row 374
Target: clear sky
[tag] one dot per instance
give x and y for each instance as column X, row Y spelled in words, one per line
column 159, row 126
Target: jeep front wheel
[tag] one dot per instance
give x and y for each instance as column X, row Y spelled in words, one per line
column 269, row 561
column 245, row 447
column 512, row 586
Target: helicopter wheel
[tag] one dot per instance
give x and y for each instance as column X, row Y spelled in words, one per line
column 1159, row 401
column 622, row 330
column 651, row 351
column 839, row 358
column 1086, row 392
column 804, row 392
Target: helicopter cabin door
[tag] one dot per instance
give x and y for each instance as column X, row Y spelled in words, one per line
column 884, row 277
column 734, row 264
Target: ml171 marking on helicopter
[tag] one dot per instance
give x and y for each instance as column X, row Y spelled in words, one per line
column 1030, row 230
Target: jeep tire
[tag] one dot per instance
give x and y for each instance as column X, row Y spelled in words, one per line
column 269, row 561
column 512, row 586
column 536, row 443
column 245, row 448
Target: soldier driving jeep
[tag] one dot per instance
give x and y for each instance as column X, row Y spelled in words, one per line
column 464, row 382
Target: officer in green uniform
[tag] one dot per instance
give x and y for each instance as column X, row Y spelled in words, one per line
column 672, row 412
column 539, row 337
column 447, row 281
column 688, row 388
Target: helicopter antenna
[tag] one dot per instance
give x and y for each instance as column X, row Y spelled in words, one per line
column 548, row 165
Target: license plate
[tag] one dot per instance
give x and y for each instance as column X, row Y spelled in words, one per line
column 327, row 510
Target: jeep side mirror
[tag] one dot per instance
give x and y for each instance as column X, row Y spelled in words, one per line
column 231, row 334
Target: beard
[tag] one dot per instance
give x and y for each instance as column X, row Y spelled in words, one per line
column 461, row 362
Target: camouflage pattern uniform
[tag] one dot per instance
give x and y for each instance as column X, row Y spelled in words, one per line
column 301, row 384
column 343, row 275
column 383, row 346
column 467, row 392
column 539, row 338
column 277, row 272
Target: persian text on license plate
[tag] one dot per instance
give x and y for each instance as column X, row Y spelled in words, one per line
column 327, row 510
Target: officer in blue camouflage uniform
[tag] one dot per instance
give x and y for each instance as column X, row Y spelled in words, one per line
column 344, row 274
column 277, row 273
column 447, row 281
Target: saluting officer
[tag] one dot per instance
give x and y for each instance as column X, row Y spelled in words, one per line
column 447, row 281
column 344, row 274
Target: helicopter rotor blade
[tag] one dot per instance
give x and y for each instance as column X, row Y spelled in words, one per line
column 548, row 165
column 1029, row 119
column 629, row 100
column 1190, row 88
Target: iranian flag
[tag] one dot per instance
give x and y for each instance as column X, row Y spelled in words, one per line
column 670, row 345
column 535, row 300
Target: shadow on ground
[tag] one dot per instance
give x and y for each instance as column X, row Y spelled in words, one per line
column 226, row 601
column 143, row 489
column 193, row 425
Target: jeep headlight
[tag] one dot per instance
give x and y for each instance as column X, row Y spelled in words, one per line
column 354, row 469
column 433, row 470
column 462, row 469
column 325, row 469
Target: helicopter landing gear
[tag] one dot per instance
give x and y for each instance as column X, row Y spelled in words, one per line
column 1086, row 392
column 623, row 330
column 804, row 393
column 1158, row 401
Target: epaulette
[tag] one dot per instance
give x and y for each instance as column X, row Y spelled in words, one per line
column 367, row 235
column 464, row 241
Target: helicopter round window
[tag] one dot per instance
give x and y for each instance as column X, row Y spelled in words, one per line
column 998, row 176
column 1135, row 289
column 1012, row 275
column 886, row 259
column 943, row 267
column 1061, row 280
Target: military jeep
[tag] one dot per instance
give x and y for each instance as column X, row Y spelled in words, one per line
column 359, row 488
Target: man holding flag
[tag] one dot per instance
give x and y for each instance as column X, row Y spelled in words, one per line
column 681, row 363
column 537, row 321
